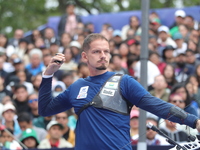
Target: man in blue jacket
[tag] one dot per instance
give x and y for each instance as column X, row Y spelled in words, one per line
column 103, row 100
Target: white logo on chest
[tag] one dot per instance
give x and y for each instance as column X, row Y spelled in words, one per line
column 83, row 92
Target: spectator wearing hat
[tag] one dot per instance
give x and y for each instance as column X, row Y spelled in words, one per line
column 25, row 122
column 164, row 39
column 29, row 138
column 154, row 24
column 134, row 125
column 134, row 46
column 179, row 18
column 181, row 45
column 167, row 55
column 68, row 21
column 75, row 47
column 18, row 65
column 55, row 139
column 134, row 24
column 9, row 118
column 117, row 38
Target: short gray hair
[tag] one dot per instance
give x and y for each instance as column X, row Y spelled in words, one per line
column 36, row 51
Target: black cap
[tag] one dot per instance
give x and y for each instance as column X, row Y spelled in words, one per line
column 70, row 3
column 17, row 61
column 168, row 47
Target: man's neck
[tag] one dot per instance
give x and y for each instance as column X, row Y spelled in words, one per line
column 97, row 72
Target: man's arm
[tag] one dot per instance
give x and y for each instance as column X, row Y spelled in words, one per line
column 168, row 111
column 48, row 105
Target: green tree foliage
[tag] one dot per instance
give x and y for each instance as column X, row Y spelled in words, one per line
column 29, row 14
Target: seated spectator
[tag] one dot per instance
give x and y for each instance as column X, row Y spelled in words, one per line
column 181, row 45
column 49, row 37
column 153, row 138
column 124, row 51
column 154, row 57
column 116, row 37
column 83, row 70
column 182, row 70
column 179, row 18
column 160, row 88
column 22, row 77
column 33, row 104
column 164, row 39
column 191, row 58
column 134, row 125
column 173, row 132
column 25, row 122
column 190, row 105
column 9, row 119
column 36, row 65
column 68, row 133
column 64, row 41
column 177, row 99
column 3, row 91
column 55, row 137
column 29, row 138
column 134, row 24
column 167, row 55
column 42, row 122
column 36, row 80
column 69, row 63
column 21, row 99
column 8, row 140
column 67, row 78
column 117, row 64
column 169, row 75
column 75, row 47
column 18, row 66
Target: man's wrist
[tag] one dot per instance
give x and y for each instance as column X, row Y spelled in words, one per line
column 46, row 76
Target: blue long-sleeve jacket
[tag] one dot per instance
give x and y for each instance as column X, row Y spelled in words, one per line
column 100, row 128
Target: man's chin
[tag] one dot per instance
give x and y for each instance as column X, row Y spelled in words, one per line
column 101, row 68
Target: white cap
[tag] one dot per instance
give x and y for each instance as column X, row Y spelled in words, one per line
column 8, row 107
column 180, row 13
column 75, row 44
column 163, row 28
column 53, row 123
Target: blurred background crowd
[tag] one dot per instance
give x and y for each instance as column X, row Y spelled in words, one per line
column 173, row 75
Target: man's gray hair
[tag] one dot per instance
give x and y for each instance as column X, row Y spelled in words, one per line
column 36, row 51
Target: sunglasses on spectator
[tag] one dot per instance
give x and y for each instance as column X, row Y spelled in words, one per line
column 32, row 100
column 58, row 118
column 175, row 101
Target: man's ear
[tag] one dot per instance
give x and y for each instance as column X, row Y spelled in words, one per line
column 84, row 56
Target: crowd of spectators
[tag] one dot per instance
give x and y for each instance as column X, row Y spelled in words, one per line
column 173, row 75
